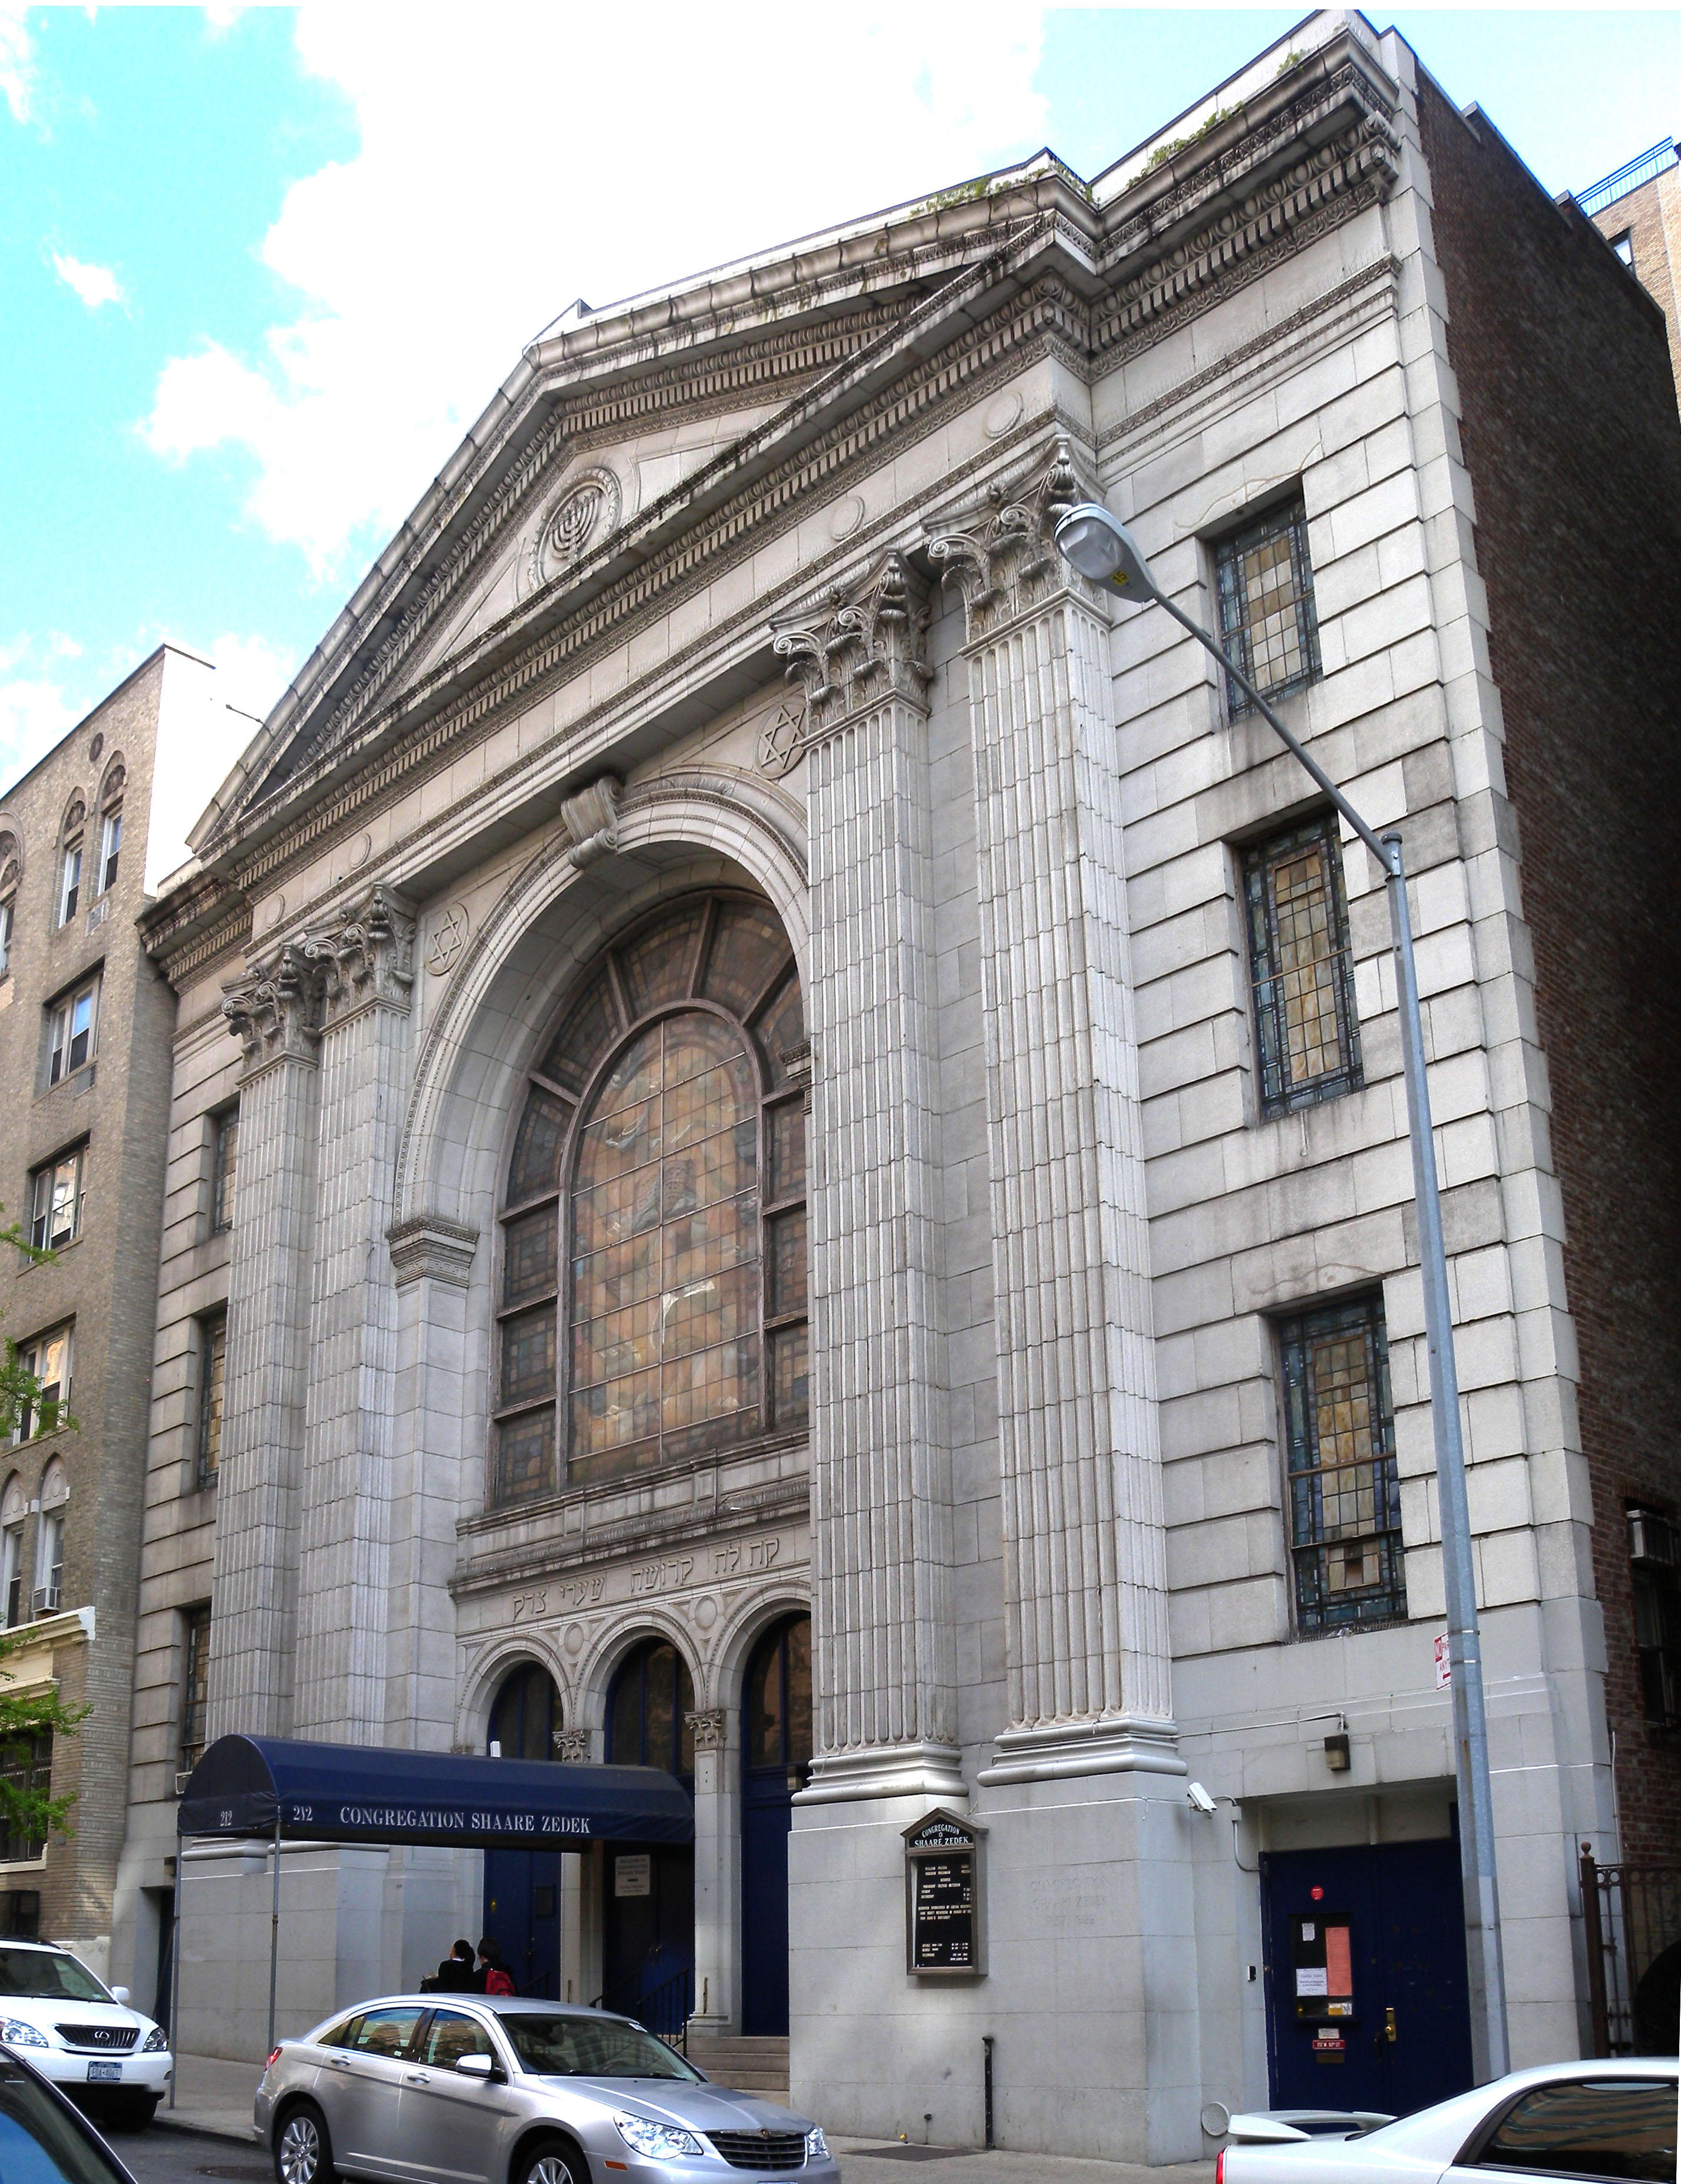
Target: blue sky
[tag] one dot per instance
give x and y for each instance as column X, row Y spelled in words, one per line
column 261, row 269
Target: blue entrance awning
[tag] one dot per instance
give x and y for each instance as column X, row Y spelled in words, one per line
column 367, row 1794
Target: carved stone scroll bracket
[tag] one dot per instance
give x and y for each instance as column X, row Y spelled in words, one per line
column 710, row 1728
column 367, row 957
column 428, row 1248
column 592, row 819
column 858, row 651
column 1003, row 558
column 275, row 1008
column 571, row 1745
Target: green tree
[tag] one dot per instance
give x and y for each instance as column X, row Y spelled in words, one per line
column 29, row 1718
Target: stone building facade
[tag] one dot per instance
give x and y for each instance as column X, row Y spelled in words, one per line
column 85, row 1028
column 823, row 1194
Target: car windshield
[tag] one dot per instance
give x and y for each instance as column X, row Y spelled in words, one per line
column 46, row 1974
column 39, row 2143
column 592, row 2048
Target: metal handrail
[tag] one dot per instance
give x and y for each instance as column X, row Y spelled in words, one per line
column 664, row 2010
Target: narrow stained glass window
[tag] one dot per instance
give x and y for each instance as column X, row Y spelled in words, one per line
column 1302, row 967
column 1344, row 1492
column 1266, row 619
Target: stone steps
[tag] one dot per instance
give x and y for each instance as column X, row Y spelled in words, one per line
column 750, row 2065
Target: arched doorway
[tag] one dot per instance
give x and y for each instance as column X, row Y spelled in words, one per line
column 522, row 1888
column 776, row 1760
column 648, row 1926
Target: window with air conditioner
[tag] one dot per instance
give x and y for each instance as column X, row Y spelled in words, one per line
column 49, row 1539
column 13, row 1511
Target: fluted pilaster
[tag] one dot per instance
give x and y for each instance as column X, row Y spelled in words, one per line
column 885, row 1675
column 365, row 962
column 1087, row 1642
column 276, row 1012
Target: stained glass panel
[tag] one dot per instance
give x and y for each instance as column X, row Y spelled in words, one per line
column 787, row 1262
column 535, row 1166
column 528, row 1355
column 1303, row 967
column 748, row 943
column 781, row 1029
column 528, row 1256
column 1344, row 1491
column 524, row 1450
column 786, row 1134
column 790, row 1383
column 656, row 963
column 591, row 1025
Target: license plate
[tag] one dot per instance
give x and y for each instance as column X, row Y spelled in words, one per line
column 104, row 2074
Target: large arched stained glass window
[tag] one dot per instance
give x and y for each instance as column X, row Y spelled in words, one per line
column 660, row 1159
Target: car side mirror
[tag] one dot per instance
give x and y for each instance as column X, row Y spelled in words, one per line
column 477, row 2066
column 120, row 1994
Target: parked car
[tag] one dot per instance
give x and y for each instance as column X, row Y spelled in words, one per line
column 81, row 2034
column 1592, row 2121
column 43, row 2139
column 494, row 2090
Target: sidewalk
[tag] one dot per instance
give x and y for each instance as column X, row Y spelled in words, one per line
column 867, row 2161
column 213, row 2096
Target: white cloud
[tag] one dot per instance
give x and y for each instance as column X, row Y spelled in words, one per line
column 35, row 713
column 552, row 152
column 251, row 674
column 94, row 284
column 17, row 63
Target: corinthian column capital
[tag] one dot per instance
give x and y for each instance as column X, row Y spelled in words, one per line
column 1002, row 558
column 367, row 957
column 274, row 1008
column 856, row 649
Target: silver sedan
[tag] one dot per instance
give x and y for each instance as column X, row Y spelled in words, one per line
column 480, row 2090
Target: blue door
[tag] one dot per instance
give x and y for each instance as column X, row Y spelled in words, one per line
column 1367, row 2000
column 648, row 1929
column 522, row 1888
column 776, row 1759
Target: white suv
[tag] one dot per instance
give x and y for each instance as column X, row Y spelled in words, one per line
column 80, row 2035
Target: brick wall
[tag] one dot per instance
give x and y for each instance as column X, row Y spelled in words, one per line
column 1573, row 442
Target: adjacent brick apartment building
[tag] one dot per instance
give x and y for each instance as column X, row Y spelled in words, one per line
column 85, row 1023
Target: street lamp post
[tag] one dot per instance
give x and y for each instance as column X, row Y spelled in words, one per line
column 1104, row 551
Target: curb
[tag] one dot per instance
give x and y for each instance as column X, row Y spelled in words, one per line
column 168, row 2119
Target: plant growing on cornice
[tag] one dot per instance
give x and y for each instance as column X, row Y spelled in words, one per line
column 1164, row 153
column 1291, row 59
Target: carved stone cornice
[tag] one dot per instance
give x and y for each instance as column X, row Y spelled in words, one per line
column 592, row 819
column 275, row 1008
column 1004, row 561
column 428, row 1248
column 860, row 650
column 710, row 1728
column 367, row 960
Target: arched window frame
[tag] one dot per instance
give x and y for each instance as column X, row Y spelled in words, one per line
column 635, row 1663
column 49, row 1538
column 110, row 824
column 71, row 859
column 11, row 879
column 783, row 1104
column 13, row 1514
column 521, row 1672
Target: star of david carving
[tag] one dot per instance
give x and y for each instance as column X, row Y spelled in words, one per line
column 449, row 938
column 780, row 741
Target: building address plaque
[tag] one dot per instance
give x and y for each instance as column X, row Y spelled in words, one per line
column 944, row 1898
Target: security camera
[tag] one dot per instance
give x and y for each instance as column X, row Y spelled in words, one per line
column 1200, row 1797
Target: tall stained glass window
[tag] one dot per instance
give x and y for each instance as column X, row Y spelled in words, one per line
column 1301, row 966
column 660, row 1161
column 1266, row 618
column 1345, row 1535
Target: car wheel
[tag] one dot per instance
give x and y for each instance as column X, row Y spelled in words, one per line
column 302, row 2150
column 550, row 2161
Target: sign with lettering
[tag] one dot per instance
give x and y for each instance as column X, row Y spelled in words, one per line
column 942, row 1898
column 633, row 1874
column 1323, row 1950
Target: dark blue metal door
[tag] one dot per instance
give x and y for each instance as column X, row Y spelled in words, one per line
column 1392, row 2030
column 767, row 1816
column 522, row 1914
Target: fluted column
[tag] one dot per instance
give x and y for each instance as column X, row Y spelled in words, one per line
column 885, row 1663
column 1088, row 1662
column 276, row 1011
column 366, row 966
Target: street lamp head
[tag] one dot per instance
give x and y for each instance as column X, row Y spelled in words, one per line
column 1090, row 540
